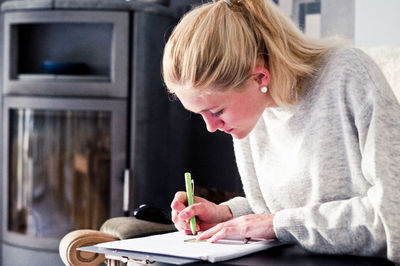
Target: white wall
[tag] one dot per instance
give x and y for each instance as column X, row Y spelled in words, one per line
column 337, row 18
column 377, row 22
column 286, row 6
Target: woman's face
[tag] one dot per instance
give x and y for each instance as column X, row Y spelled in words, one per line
column 234, row 112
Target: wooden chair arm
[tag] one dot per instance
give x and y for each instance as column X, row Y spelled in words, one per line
column 81, row 238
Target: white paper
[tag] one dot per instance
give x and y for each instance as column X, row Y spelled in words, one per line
column 174, row 244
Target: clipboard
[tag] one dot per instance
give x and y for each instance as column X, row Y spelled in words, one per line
column 138, row 257
column 177, row 248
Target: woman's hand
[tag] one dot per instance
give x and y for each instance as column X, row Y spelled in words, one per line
column 207, row 213
column 252, row 225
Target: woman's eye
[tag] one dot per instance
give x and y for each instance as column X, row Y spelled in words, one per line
column 218, row 113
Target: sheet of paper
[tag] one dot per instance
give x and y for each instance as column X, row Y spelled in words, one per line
column 174, row 244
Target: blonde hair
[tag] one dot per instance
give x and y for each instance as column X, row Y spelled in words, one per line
column 216, row 45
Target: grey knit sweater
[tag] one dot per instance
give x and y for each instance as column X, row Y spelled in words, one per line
column 329, row 166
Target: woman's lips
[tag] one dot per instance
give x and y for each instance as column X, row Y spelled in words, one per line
column 228, row 130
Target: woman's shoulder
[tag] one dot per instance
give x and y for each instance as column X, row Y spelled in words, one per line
column 345, row 64
column 348, row 73
column 352, row 63
column 346, row 57
column 341, row 75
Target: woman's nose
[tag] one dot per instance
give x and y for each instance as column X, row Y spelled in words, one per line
column 212, row 123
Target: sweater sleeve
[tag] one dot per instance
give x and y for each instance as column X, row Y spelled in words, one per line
column 368, row 224
column 254, row 201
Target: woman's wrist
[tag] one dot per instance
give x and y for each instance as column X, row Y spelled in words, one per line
column 225, row 213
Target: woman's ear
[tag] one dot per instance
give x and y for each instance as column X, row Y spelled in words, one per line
column 261, row 76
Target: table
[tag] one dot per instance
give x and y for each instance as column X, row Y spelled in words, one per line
column 295, row 255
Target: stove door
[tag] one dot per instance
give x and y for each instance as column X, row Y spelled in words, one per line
column 63, row 166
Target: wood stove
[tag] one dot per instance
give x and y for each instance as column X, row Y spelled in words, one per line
column 83, row 104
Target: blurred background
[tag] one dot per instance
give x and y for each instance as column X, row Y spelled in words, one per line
column 88, row 131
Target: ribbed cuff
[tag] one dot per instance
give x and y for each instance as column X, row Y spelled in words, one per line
column 289, row 225
column 239, row 206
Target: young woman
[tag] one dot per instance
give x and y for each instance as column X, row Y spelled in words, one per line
column 316, row 131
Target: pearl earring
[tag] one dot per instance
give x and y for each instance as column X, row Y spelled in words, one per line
column 264, row 89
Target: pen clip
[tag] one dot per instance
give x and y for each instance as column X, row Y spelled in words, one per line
column 192, row 187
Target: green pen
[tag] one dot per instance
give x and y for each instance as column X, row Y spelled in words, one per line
column 189, row 192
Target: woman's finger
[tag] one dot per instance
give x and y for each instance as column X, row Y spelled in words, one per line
column 179, row 201
column 224, row 233
column 210, row 232
column 220, row 231
column 182, row 224
column 196, row 209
